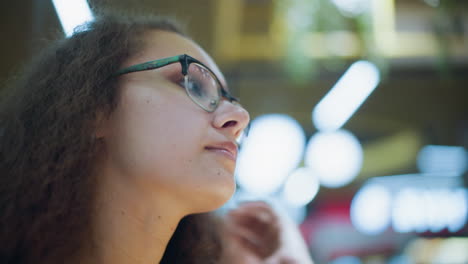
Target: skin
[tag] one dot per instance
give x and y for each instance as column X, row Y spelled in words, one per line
column 158, row 165
column 251, row 233
column 254, row 233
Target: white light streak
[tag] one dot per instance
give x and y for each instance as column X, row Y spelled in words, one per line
column 72, row 14
column 351, row 90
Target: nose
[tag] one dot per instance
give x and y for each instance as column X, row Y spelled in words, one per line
column 231, row 118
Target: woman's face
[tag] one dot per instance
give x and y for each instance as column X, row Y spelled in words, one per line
column 159, row 142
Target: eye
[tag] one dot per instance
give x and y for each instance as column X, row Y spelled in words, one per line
column 180, row 82
column 177, row 79
column 195, row 87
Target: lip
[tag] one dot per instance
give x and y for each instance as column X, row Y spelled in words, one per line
column 228, row 148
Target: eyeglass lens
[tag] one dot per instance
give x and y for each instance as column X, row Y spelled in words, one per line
column 202, row 87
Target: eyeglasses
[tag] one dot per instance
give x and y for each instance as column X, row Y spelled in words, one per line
column 201, row 84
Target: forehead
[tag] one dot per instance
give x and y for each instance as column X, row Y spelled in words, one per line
column 161, row 44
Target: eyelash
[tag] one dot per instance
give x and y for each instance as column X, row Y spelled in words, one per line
column 178, row 79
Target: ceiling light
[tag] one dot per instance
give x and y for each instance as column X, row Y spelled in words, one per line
column 345, row 97
column 72, row 14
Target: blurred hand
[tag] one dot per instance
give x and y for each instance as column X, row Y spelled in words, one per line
column 254, row 233
column 255, row 227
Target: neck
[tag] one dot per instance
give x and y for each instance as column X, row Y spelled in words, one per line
column 130, row 226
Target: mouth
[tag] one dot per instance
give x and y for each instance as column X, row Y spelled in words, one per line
column 227, row 149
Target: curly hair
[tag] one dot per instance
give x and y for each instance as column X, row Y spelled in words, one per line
column 47, row 144
column 197, row 240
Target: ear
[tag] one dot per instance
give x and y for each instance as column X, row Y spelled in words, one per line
column 101, row 125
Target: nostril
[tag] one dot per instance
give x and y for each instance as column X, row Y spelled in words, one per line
column 230, row 124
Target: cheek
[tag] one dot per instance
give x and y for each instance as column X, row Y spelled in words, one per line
column 153, row 134
column 156, row 145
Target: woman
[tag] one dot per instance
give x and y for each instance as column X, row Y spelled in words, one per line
column 109, row 139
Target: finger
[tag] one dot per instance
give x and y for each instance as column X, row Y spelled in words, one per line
column 261, row 236
column 259, row 248
column 260, row 221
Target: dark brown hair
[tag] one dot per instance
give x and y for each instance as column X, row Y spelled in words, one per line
column 197, row 240
column 47, row 148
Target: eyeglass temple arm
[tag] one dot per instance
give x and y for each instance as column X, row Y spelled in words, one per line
column 151, row 65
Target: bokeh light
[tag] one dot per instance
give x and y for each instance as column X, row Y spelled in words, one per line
column 371, row 209
column 432, row 210
column 335, row 157
column 353, row 8
column 273, row 149
column 301, row 187
column 447, row 160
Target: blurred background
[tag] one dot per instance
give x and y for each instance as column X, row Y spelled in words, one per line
column 359, row 111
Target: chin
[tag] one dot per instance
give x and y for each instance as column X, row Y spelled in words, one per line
column 216, row 197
